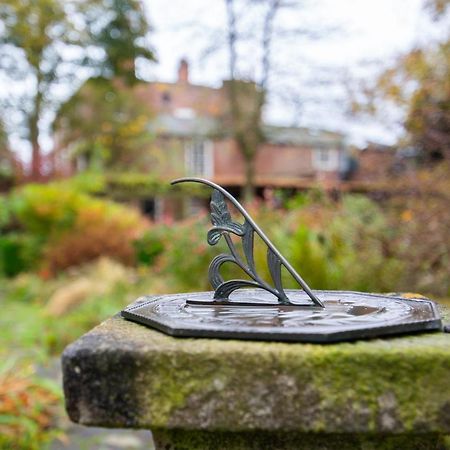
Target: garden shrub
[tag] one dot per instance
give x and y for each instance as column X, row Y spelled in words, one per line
column 351, row 244
column 150, row 245
column 27, row 409
column 187, row 254
column 366, row 256
column 18, row 252
column 46, row 209
column 308, row 251
column 345, row 245
column 5, row 211
column 56, row 225
column 100, row 229
column 11, row 261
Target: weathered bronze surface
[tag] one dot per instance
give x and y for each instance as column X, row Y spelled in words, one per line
column 346, row 316
column 224, row 226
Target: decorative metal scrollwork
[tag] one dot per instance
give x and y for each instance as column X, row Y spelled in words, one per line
column 223, row 225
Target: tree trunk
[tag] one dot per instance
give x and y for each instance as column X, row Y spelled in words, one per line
column 35, row 149
column 249, row 185
column 33, row 127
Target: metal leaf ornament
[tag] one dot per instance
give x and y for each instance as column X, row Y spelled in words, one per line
column 221, row 219
column 223, row 225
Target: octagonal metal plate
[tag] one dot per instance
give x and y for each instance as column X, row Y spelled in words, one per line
column 346, row 316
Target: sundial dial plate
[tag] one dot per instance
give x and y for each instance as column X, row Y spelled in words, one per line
column 255, row 308
column 346, row 316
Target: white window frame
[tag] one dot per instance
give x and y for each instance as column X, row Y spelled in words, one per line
column 206, row 168
column 158, row 213
column 328, row 164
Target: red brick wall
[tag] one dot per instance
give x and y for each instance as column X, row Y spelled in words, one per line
column 168, row 97
column 278, row 165
column 374, row 165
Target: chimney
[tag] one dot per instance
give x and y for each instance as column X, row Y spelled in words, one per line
column 183, row 71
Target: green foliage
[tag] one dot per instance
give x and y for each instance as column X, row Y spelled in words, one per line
column 106, row 124
column 28, row 405
column 309, row 253
column 187, row 255
column 5, row 212
column 10, row 256
column 418, row 83
column 334, row 246
column 101, row 229
column 361, row 235
column 428, row 120
column 341, row 246
column 314, row 196
column 122, row 37
column 18, row 253
column 132, row 185
column 47, row 209
column 352, row 244
column 57, row 225
column 49, row 41
column 150, row 246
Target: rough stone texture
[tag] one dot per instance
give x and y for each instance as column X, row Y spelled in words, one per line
column 125, row 375
column 206, row 440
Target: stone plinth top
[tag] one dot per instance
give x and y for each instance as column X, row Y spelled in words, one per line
column 122, row 374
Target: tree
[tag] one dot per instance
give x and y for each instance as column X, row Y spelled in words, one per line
column 29, row 36
column 122, row 37
column 8, row 166
column 428, row 117
column 46, row 42
column 247, row 99
column 252, row 30
column 105, row 124
column 419, row 85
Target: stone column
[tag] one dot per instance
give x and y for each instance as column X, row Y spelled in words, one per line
column 225, row 394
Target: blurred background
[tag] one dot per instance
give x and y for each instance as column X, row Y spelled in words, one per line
column 329, row 119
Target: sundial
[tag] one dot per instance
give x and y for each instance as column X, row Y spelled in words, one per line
column 254, row 308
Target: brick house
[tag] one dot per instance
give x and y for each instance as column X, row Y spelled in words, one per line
column 192, row 138
column 374, row 167
column 190, row 122
column 197, row 115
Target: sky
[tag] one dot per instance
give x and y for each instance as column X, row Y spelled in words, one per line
column 369, row 35
column 307, row 83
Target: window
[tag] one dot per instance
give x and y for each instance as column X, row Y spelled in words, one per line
column 165, row 97
column 199, row 158
column 185, row 113
column 325, row 159
column 195, row 206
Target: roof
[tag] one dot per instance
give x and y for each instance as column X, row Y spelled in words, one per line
column 187, row 124
column 301, row 136
column 171, row 125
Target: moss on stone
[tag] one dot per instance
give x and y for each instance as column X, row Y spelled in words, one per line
column 125, row 375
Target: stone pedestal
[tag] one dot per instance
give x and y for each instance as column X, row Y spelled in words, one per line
column 225, row 394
